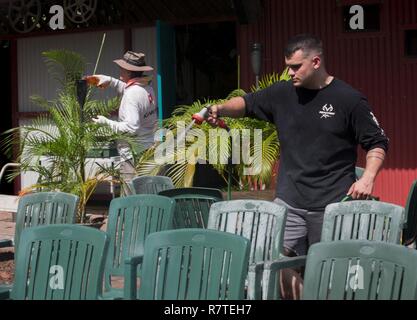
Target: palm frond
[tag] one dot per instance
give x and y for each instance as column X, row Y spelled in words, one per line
column 64, row 66
column 285, row 76
column 40, row 101
column 236, row 93
column 269, row 79
column 264, row 155
column 94, row 107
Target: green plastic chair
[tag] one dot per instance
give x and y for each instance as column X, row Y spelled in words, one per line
column 362, row 220
column 194, row 264
column 410, row 225
column 360, row 270
column 151, row 184
column 59, row 262
column 131, row 219
column 359, row 172
column 352, row 220
column 43, row 208
column 263, row 223
column 192, row 205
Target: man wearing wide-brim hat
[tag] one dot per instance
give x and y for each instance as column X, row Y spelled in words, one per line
column 137, row 111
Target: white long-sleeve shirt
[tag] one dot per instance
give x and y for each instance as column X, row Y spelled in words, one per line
column 138, row 114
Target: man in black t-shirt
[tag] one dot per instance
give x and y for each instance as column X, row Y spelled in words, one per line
column 320, row 120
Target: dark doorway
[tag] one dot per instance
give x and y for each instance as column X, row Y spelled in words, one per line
column 206, row 68
column 6, row 109
column 206, row 61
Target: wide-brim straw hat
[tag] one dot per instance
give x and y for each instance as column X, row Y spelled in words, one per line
column 133, row 61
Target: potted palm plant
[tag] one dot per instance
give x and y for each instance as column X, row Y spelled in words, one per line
column 182, row 172
column 56, row 145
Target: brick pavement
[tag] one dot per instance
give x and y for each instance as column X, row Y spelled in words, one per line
column 6, row 225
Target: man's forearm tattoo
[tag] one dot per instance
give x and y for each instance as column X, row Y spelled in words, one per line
column 376, row 154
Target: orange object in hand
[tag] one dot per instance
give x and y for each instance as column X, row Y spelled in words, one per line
column 92, row 80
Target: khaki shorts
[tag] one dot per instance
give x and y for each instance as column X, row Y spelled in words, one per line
column 127, row 172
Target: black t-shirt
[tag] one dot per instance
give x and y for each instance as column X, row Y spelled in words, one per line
column 319, row 131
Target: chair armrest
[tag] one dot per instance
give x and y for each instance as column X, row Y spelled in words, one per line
column 135, row 261
column 5, row 292
column 254, row 280
column 285, row 262
column 256, row 267
column 271, row 274
column 130, row 275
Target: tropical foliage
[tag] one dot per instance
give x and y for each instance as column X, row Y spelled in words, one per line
column 55, row 145
column 203, row 147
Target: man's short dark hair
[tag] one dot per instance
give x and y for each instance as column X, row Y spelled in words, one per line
column 305, row 42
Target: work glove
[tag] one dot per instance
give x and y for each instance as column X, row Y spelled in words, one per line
column 101, row 120
column 98, row 80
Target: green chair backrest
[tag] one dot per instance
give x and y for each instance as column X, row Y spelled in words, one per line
column 359, row 172
column 192, row 205
column 60, row 262
column 362, row 220
column 44, row 208
column 410, row 230
column 360, row 270
column 194, row 264
column 131, row 219
column 262, row 222
column 151, row 184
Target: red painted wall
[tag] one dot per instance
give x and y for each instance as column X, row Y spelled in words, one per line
column 372, row 62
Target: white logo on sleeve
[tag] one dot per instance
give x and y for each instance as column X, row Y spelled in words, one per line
column 327, row 111
column 374, row 118
column 377, row 123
